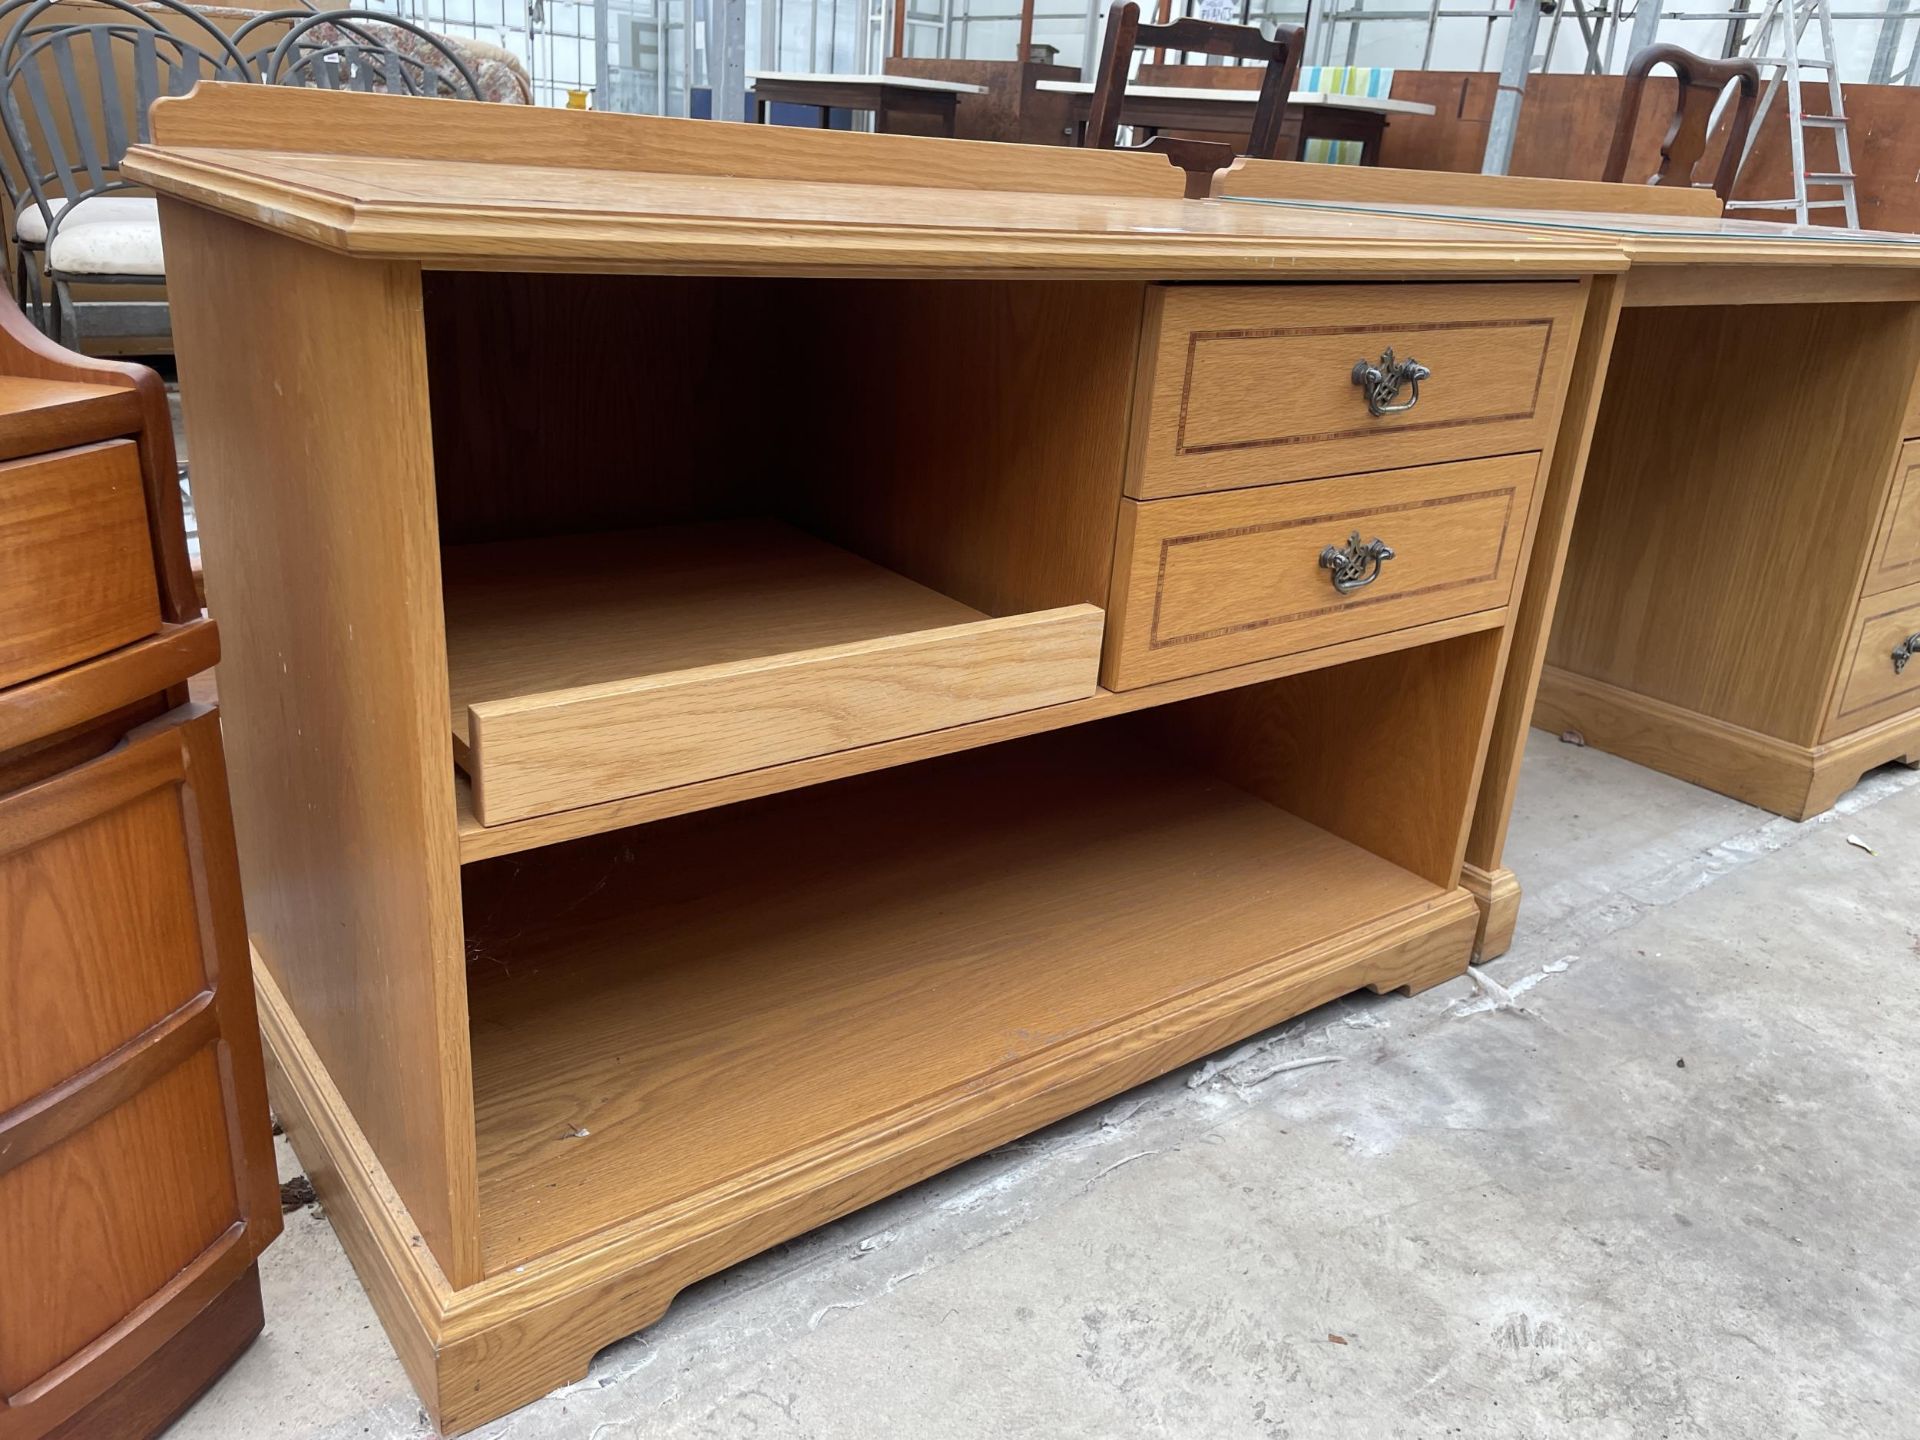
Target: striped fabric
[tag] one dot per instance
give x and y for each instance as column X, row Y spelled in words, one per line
column 1342, row 80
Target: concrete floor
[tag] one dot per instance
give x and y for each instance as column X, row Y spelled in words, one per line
column 1664, row 1183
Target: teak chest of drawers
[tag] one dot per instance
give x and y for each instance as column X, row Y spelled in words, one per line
column 137, row 1181
column 678, row 809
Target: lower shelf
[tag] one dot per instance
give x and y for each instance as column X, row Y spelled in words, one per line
column 667, row 1015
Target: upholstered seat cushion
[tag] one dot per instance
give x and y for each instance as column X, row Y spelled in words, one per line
column 128, row 246
column 31, row 224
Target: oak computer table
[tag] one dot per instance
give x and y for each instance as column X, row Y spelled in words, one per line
column 903, row 761
column 652, row 852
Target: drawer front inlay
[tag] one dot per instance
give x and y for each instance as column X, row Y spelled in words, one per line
column 1254, row 385
column 1896, row 549
column 1210, row 581
column 1876, row 686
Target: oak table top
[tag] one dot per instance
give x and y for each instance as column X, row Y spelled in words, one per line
column 573, row 190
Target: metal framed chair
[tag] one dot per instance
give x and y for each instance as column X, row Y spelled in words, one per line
column 1701, row 83
column 1125, row 34
column 73, row 99
column 363, row 50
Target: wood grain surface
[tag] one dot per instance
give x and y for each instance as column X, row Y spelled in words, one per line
column 1731, row 594
column 1871, row 689
column 1384, row 752
column 335, row 666
column 1249, row 385
column 29, row 358
column 587, row 670
column 1563, row 471
column 735, row 201
column 1209, row 581
column 76, row 565
column 243, row 117
column 1896, row 546
column 136, row 1170
column 38, row 415
column 480, row 842
column 905, row 941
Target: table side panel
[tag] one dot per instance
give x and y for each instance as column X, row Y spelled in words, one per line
column 1730, row 595
column 1562, row 470
column 314, row 480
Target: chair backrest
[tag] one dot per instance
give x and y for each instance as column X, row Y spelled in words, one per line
column 75, row 97
column 360, row 50
column 1125, row 34
column 1701, row 82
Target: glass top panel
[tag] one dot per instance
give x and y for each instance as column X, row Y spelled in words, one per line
column 1666, row 227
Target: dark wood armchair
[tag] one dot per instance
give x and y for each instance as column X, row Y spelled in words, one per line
column 1199, row 158
column 1701, row 81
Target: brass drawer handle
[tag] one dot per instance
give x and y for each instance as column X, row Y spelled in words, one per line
column 1905, row 651
column 1358, row 566
column 1383, row 383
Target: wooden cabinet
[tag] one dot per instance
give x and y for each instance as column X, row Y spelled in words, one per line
column 137, row 1179
column 677, row 803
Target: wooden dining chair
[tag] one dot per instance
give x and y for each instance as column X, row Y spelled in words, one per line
column 1701, row 82
column 1125, row 34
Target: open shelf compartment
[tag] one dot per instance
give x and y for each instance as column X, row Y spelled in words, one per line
column 592, row 667
column 668, row 1016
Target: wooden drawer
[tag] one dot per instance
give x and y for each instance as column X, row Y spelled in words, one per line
column 1872, row 687
column 1253, row 384
column 591, row 668
column 76, row 563
column 1208, row 581
column 1896, row 549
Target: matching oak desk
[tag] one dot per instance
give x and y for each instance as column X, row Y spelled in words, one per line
column 680, row 805
column 1729, row 551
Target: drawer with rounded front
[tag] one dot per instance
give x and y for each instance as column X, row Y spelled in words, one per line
column 1256, row 384
column 1205, row 582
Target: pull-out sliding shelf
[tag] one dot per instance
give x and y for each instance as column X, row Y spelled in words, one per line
column 589, row 668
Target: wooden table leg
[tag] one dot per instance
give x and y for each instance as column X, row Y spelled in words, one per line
column 1485, row 873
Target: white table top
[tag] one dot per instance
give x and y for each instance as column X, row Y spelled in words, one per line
column 902, row 82
column 1374, row 104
